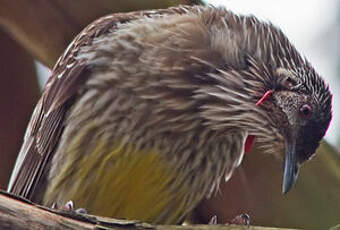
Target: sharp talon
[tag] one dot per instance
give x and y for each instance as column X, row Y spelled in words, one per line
column 243, row 219
column 69, row 206
column 81, row 211
column 246, row 218
column 55, row 206
column 213, row 220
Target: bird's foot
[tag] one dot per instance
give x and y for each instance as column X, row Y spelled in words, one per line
column 69, row 206
column 243, row 219
column 213, row 220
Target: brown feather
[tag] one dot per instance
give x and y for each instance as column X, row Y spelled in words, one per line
column 68, row 76
column 185, row 85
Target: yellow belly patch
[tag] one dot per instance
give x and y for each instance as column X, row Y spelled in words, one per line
column 121, row 183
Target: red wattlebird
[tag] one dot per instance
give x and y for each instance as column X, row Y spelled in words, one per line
column 146, row 112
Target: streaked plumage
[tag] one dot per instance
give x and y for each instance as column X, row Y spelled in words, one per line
column 166, row 96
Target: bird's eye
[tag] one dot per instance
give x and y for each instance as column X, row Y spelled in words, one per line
column 305, row 111
column 289, row 82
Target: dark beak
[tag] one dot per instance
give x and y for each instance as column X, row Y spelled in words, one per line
column 291, row 165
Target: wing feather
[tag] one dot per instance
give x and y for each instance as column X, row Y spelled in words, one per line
column 46, row 124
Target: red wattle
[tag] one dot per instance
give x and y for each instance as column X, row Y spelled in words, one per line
column 249, row 142
column 264, row 97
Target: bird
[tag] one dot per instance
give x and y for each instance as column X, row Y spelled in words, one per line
column 146, row 112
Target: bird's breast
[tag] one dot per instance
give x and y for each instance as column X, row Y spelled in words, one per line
column 123, row 183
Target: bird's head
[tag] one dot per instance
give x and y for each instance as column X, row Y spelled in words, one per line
column 268, row 89
column 287, row 110
column 300, row 107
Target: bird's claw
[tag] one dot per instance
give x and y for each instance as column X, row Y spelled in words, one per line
column 242, row 219
column 69, row 206
column 213, row 220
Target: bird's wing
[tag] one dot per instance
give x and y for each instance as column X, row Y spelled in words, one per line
column 68, row 75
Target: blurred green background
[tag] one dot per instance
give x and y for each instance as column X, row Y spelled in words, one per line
column 41, row 30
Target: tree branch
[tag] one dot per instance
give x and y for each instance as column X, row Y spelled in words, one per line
column 19, row 214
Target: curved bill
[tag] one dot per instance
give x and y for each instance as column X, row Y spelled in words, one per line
column 291, row 166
